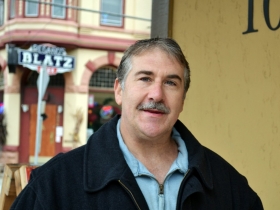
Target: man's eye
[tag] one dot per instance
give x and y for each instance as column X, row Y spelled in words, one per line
column 170, row 83
column 145, row 79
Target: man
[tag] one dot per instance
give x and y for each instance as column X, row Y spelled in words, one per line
column 144, row 158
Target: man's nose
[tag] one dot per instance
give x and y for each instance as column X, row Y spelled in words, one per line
column 156, row 92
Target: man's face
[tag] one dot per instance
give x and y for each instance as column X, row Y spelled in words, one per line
column 155, row 78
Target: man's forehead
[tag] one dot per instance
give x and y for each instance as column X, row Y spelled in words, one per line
column 150, row 50
column 147, row 55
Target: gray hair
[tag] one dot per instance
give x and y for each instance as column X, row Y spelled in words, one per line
column 168, row 45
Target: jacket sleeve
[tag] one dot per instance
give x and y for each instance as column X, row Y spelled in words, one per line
column 27, row 199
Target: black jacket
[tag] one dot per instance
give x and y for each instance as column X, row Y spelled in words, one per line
column 96, row 176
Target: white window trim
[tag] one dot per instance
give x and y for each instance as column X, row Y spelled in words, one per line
column 64, row 11
column 31, row 15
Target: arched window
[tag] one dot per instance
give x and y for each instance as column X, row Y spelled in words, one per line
column 103, row 77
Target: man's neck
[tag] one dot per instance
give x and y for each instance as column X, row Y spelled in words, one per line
column 156, row 155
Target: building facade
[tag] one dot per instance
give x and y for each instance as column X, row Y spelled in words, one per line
column 77, row 101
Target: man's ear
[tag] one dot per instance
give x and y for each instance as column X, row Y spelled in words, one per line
column 118, row 91
column 182, row 108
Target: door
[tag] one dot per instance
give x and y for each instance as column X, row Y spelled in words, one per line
column 48, row 131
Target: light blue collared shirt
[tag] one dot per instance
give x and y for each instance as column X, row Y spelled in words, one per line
column 147, row 181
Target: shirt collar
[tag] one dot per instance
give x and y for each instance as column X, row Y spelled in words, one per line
column 137, row 168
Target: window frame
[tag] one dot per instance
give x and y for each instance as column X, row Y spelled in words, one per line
column 63, row 16
column 12, row 9
column 110, row 71
column 26, row 9
column 2, row 11
column 110, row 23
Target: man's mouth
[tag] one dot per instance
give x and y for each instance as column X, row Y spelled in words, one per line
column 154, row 111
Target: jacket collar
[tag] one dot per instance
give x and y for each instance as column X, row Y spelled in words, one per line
column 104, row 161
column 197, row 156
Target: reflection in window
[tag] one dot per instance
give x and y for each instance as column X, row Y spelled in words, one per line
column 102, row 109
column 12, row 8
column 58, row 11
column 31, row 9
column 115, row 7
column 101, row 104
column 1, row 12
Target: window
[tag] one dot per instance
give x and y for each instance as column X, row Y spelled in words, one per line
column 2, row 84
column 12, row 8
column 31, row 9
column 1, row 12
column 58, row 11
column 115, row 7
column 103, row 78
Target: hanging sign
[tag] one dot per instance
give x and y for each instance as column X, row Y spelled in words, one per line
column 54, row 58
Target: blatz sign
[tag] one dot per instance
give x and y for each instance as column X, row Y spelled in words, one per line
column 54, row 58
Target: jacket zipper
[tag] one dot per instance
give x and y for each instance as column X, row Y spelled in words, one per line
column 130, row 194
column 179, row 194
column 161, row 186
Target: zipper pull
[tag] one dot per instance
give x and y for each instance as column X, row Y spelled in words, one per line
column 161, row 188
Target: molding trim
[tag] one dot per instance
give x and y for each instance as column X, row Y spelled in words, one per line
column 67, row 39
column 10, row 148
column 91, row 67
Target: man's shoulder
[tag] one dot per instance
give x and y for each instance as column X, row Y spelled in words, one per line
column 217, row 160
column 222, row 168
column 62, row 163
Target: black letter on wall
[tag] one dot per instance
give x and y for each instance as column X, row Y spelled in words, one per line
column 266, row 16
column 250, row 28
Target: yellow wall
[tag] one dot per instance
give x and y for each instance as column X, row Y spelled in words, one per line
column 73, row 105
column 12, row 116
column 233, row 105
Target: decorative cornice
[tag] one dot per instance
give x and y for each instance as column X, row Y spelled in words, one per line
column 66, row 39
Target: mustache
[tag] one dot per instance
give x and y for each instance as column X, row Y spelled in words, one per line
column 159, row 106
